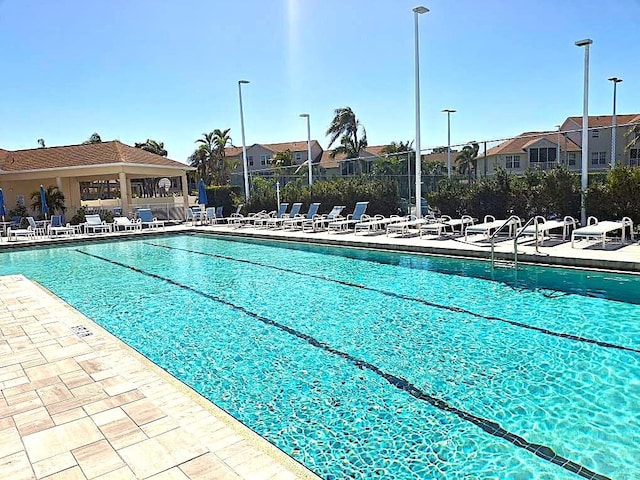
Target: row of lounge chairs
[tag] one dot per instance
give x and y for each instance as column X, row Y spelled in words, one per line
column 359, row 222
column 93, row 225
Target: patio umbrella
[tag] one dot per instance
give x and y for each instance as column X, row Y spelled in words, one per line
column 3, row 208
column 202, row 193
column 43, row 202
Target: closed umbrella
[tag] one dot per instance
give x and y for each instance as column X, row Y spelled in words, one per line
column 202, row 193
column 43, row 202
column 3, row 208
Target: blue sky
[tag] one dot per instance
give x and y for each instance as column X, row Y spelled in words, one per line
column 168, row 70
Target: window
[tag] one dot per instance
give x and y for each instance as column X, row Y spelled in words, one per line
column 512, row 161
column 263, row 159
column 298, row 156
column 598, row 158
column 634, row 157
column 572, row 158
column 595, row 133
column 347, row 168
column 542, row 155
column 250, row 160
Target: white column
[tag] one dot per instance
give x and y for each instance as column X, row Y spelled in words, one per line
column 244, row 146
column 124, row 193
column 185, row 194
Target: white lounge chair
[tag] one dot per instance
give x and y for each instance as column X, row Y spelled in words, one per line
column 599, row 230
column 277, row 222
column 346, row 224
column 27, row 233
column 56, row 227
column 93, row 223
column 297, row 221
column 320, row 222
column 490, row 225
column 376, row 223
column 410, row 224
column 124, row 223
column 545, row 226
column 446, row 224
column 146, row 218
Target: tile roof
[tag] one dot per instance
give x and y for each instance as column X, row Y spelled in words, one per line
column 105, row 153
column 274, row 147
column 526, row 139
column 605, row 120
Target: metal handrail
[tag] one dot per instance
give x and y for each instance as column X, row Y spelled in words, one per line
column 536, row 221
column 507, row 222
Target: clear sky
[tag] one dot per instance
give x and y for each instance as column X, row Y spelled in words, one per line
column 168, row 69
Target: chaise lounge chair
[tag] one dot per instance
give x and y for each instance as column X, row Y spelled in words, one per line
column 261, row 220
column 57, row 227
column 445, row 224
column 93, row 223
column 545, row 226
column 490, row 225
column 321, row 222
column 409, row 224
column 124, row 223
column 346, row 224
column 375, row 224
column 277, row 222
column 599, row 230
column 29, row 233
column 146, row 218
column 298, row 220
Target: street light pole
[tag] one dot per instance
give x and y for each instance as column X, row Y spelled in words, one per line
column 449, row 112
column 244, row 146
column 418, row 11
column 306, row 115
column 558, row 151
column 615, row 81
column 585, row 130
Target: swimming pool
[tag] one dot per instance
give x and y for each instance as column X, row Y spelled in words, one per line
column 366, row 364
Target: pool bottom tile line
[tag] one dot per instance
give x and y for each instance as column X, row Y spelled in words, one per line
column 514, row 323
column 488, row 426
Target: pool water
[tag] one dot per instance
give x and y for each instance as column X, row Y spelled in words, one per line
column 364, row 364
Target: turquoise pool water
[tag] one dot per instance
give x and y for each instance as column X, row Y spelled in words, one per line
column 366, row 364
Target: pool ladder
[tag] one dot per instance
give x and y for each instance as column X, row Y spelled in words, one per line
column 508, row 223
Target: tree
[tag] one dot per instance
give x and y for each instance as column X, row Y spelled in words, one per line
column 346, row 126
column 152, row 146
column 94, row 138
column 283, row 159
column 53, row 197
column 467, row 159
column 41, row 143
column 395, row 159
column 210, row 157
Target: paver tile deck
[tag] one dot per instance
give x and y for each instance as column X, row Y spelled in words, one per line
column 92, row 408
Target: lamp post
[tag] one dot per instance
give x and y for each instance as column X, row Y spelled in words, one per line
column 558, row 151
column 245, row 165
column 418, row 11
column 585, row 130
column 306, row 115
column 615, row 81
column 448, row 111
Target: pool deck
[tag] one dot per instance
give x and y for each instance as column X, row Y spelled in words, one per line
column 85, row 407
column 77, row 403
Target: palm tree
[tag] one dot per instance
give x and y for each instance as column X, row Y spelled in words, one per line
column 346, row 126
column 54, row 199
column 94, row 138
column 221, row 141
column 396, row 154
column 467, row 159
column 199, row 159
column 152, row 146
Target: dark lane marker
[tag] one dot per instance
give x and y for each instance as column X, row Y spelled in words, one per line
column 545, row 331
column 492, row 428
